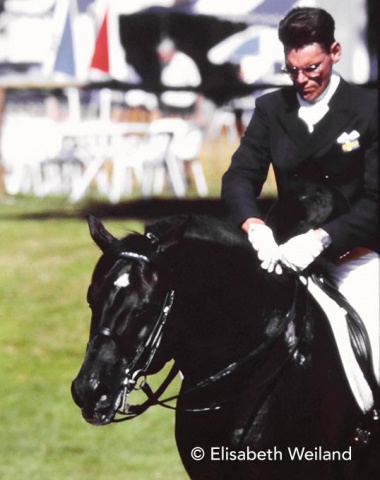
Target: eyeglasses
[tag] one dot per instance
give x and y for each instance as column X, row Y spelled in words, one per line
column 310, row 71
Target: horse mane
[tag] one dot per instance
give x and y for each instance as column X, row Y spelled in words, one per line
column 305, row 205
column 213, row 258
column 213, row 249
column 201, row 227
column 220, row 286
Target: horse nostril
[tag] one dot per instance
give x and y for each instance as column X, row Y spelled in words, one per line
column 91, row 394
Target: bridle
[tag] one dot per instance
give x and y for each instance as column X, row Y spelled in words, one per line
column 146, row 353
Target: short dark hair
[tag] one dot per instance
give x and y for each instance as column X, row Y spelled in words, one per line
column 306, row 25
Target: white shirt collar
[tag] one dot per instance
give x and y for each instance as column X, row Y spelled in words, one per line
column 312, row 112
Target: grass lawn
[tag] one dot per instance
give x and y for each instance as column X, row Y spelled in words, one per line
column 45, row 270
column 46, row 263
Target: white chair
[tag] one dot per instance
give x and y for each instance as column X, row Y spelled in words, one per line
column 172, row 144
column 59, row 174
column 26, row 143
column 223, row 119
column 126, row 166
column 154, row 156
column 96, row 142
column 160, row 158
column 188, row 152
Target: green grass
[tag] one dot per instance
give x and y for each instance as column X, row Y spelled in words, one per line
column 45, row 270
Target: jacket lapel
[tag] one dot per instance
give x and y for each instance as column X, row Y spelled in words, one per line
column 287, row 114
column 326, row 131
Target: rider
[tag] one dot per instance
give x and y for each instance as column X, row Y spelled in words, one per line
column 322, row 130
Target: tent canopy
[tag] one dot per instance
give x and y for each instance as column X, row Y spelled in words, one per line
column 141, row 33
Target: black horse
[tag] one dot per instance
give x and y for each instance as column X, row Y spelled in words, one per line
column 263, row 395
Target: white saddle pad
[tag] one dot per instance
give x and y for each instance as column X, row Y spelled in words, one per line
column 337, row 319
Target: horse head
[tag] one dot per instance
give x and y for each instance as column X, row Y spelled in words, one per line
column 130, row 297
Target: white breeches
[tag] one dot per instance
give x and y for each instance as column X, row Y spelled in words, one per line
column 359, row 281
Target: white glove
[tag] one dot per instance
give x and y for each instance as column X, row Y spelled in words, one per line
column 300, row 251
column 262, row 240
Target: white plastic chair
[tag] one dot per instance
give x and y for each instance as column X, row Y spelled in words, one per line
column 27, row 142
column 223, row 119
column 188, row 152
column 155, row 162
column 126, row 167
column 172, row 143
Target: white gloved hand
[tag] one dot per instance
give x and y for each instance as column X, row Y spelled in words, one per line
column 262, row 240
column 300, row 251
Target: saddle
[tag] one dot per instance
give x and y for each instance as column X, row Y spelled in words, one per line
column 306, row 205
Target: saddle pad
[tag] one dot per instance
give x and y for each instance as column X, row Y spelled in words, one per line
column 337, row 319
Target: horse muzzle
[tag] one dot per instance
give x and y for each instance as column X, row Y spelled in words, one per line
column 98, row 405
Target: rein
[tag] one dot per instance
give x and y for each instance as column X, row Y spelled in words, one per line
column 147, row 352
column 153, row 398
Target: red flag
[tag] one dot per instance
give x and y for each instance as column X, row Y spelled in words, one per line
column 100, row 58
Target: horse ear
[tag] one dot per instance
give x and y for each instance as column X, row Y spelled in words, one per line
column 99, row 234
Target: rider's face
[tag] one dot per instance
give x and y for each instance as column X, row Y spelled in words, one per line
column 311, row 68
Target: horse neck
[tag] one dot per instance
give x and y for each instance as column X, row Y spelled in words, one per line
column 220, row 309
